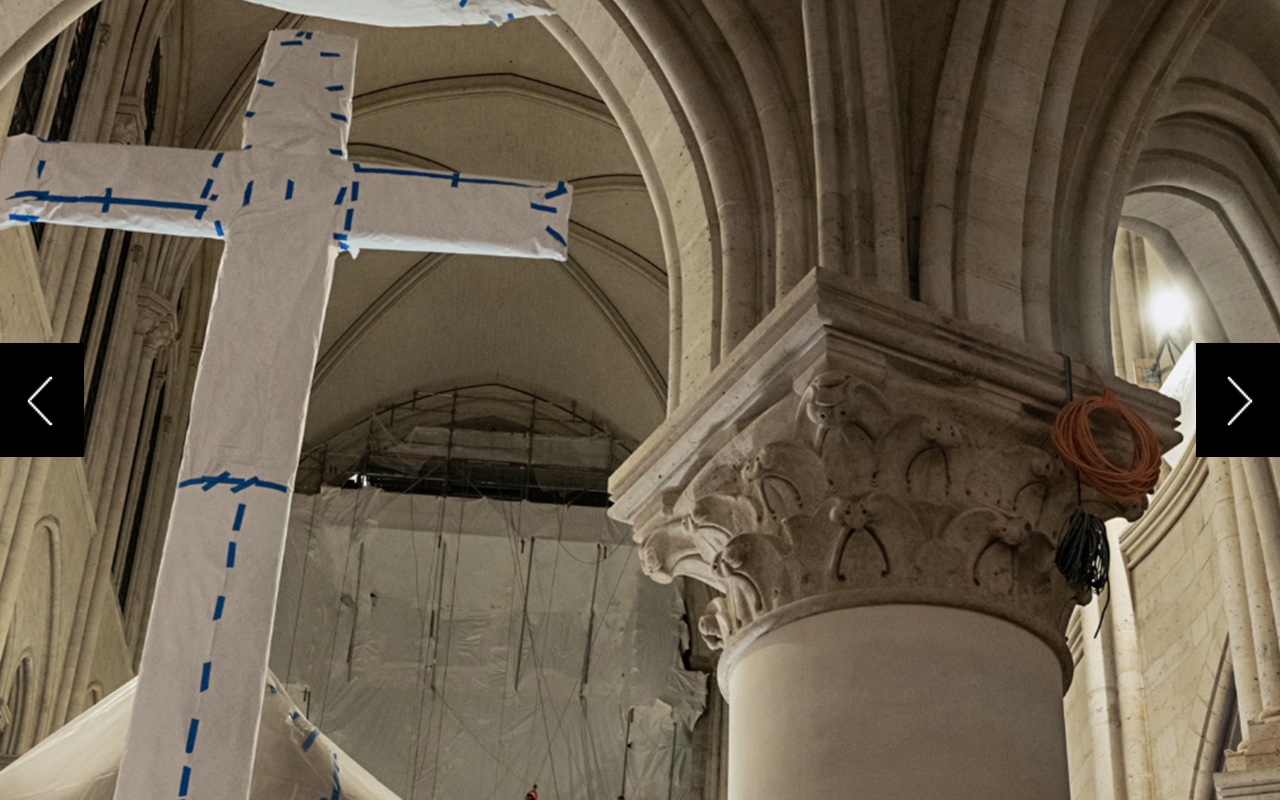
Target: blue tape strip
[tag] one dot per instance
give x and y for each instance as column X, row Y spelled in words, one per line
column 462, row 4
column 249, row 114
column 191, row 735
column 548, row 209
column 217, row 226
column 330, row 55
column 235, row 526
column 341, row 237
column 457, row 176
column 186, row 782
column 217, row 160
column 272, row 688
column 338, row 117
column 208, row 185
column 248, row 193
column 247, row 147
column 231, row 555
column 23, row 218
column 343, row 246
column 217, row 609
column 556, row 235
column 342, row 194
column 450, row 176
column 294, row 715
column 300, row 34
column 337, row 87
column 511, row 16
column 337, row 785
column 108, row 199
column 213, row 198
column 286, row 44
column 238, row 484
column 265, row 82
column 355, row 191
column 559, row 190
column 40, row 169
column 346, row 226
column 288, row 192
column 204, row 676
column 335, row 151
column 308, row 36
column 310, row 740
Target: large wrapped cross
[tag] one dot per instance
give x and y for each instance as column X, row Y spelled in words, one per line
column 285, row 205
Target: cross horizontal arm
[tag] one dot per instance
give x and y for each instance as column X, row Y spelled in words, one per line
column 162, row 190
column 393, row 208
column 153, row 189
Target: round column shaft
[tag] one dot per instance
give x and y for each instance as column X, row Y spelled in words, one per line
column 897, row 702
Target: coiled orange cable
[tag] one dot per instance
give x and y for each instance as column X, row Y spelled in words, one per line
column 1073, row 437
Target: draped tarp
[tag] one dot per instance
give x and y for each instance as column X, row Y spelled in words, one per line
column 294, row 761
column 414, row 13
column 399, row 619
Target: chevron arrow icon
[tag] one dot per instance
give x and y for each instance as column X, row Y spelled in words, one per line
column 31, row 400
column 1248, row 401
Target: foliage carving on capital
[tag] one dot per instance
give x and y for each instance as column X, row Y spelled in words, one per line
column 861, row 493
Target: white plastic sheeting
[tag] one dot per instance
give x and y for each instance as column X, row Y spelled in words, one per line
column 402, row 616
column 412, row 13
column 81, row 760
column 1181, row 386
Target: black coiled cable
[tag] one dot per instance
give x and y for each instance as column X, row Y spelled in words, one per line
column 1083, row 556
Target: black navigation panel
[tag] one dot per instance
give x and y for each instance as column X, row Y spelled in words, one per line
column 42, row 397
column 1237, row 400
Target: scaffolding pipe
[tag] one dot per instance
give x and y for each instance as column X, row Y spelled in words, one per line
column 524, row 611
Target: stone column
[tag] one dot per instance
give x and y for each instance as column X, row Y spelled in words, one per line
column 1253, row 771
column 154, row 328
column 871, row 487
column 1130, row 684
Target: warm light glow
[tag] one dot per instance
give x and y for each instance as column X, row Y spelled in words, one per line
column 1169, row 311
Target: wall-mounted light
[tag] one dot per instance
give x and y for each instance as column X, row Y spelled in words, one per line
column 1170, row 315
column 1168, row 311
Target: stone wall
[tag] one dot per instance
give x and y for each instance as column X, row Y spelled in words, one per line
column 1182, row 631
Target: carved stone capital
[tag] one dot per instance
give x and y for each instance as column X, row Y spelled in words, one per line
column 157, row 321
column 861, row 450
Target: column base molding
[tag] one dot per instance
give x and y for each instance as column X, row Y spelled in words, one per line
column 1254, row 784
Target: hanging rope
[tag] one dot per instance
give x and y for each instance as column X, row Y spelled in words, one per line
column 1073, row 437
column 1084, row 554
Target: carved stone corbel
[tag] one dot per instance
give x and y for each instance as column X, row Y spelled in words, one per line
column 130, row 121
column 157, row 321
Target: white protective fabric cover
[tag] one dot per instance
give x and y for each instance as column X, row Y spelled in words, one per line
column 402, row 617
column 285, row 205
column 1180, row 384
column 80, row 761
column 414, row 13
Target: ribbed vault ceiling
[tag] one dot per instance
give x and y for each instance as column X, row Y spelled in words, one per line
column 500, row 101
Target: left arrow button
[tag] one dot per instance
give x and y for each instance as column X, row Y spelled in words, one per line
column 31, row 401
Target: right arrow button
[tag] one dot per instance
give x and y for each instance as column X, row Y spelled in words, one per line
column 1248, row 401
